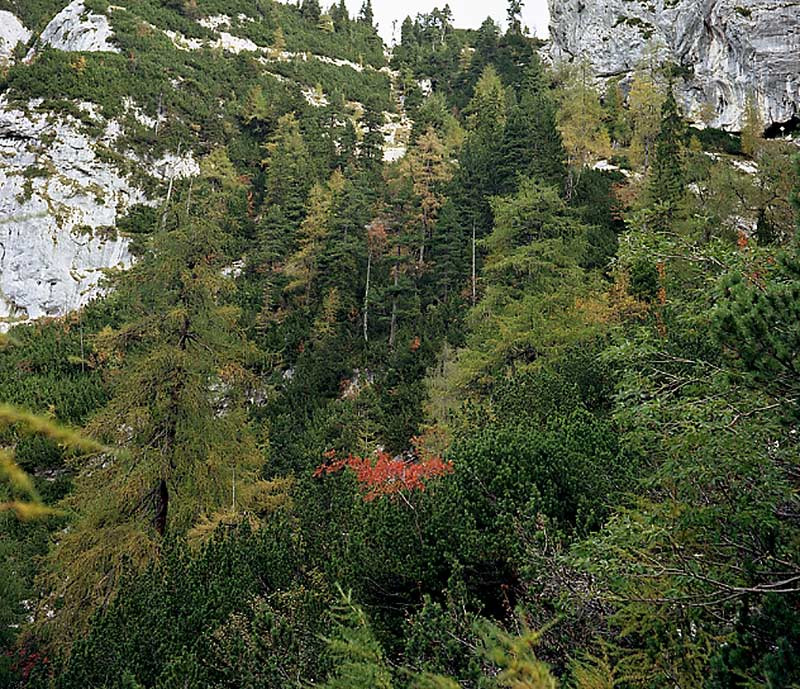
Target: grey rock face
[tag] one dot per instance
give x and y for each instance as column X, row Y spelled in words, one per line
column 12, row 32
column 77, row 29
column 726, row 49
column 61, row 194
column 54, row 197
column 60, row 197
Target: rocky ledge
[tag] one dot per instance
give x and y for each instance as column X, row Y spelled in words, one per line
column 725, row 49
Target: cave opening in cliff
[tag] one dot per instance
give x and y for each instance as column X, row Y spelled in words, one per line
column 778, row 130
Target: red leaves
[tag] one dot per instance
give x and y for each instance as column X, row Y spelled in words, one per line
column 742, row 240
column 26, row 661
column 377, row 237
column 386, row 475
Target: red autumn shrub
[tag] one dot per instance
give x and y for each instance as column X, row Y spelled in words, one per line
column 386, row 475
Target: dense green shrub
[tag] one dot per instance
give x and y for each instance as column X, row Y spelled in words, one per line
column 178, row 616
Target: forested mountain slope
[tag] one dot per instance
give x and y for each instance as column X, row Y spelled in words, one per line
column 438, row 368
column 112, row 104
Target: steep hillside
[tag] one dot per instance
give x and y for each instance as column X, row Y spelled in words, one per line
column 457, row 372
column 104, row 107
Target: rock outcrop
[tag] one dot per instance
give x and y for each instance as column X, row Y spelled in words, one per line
column 12, row 33
column 60, row 193
column 67, row 178
column 58, row 205
column 60, row 199
column 76, row 29
column 725, row 49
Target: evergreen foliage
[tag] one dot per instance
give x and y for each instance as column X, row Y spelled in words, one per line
column 531, row 144
column 668, row 177
column 527, row 393
column 173, row 415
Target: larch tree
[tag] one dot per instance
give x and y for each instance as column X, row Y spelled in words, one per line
column 532, row 287
column 645, row 101
column 257, row 110
column 486, row 112
column 752, row 128
column 181, row 444
column 580, row 121
column 302, row 267
column 376, row 245
column 278, row 40
column 428, row 170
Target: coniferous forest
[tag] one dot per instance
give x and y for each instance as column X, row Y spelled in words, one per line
column 518, row 408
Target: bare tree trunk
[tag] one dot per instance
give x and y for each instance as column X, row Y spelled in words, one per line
column 424, row 236
column 162, row 503
column 474, row 285
column 166, row 203
column 189, row 196
column 393, row 322
column 366, row 296
column 169, row 195
column 158, row 113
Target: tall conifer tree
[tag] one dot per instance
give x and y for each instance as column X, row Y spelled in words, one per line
column 531, row 144
column 668, row 177
column 184, row 448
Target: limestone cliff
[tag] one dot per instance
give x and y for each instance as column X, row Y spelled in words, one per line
column 60, row 194
column 726, row 49
column 75, row 29
column 12, row 33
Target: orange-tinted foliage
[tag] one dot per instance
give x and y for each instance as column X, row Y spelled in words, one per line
column 386, row 475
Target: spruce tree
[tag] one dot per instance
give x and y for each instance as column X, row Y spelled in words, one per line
column 287, row 178
column 514, row 16
column 531, row 143
column 667, row 182
column 485, row 47
column 613, row 103
column 348, row 145
column 371, row 151
column 311, row 10
column 340, row 16
column 477, row 178
column 366, row 16
column 451, row 251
